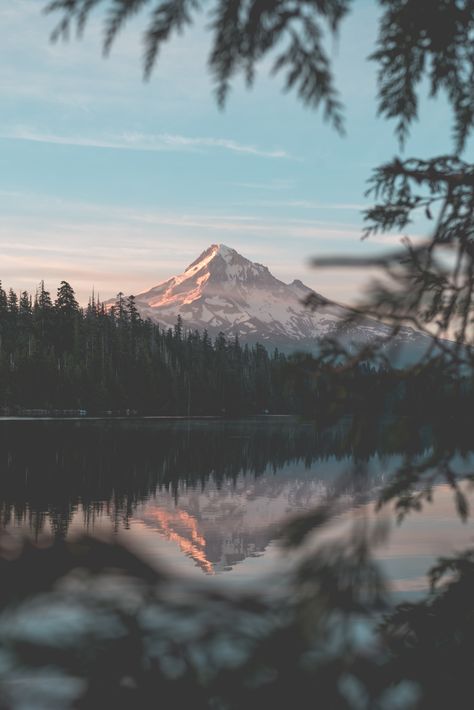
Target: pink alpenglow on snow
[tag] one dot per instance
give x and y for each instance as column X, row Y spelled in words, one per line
column 222, row 291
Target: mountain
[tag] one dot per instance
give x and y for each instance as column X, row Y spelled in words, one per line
column 224, row 523
column 222, row 291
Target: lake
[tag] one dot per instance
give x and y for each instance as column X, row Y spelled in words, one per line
column 207, row 497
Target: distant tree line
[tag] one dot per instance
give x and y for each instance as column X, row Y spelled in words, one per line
column 56, row 355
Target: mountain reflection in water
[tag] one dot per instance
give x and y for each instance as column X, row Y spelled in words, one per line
column 201, row 494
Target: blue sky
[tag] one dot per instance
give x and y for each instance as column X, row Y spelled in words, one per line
column 111, row 182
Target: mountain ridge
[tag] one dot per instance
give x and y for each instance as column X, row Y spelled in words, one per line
column 223, row 291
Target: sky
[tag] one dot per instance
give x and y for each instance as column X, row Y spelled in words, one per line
column 116, row 184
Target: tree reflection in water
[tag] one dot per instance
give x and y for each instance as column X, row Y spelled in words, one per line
column 85, row 623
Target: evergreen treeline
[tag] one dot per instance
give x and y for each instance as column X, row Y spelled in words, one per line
column 56, row 355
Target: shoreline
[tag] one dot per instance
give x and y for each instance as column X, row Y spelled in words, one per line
column 169, row 417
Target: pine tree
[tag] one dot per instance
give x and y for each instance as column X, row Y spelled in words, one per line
column 3, row 300
column 43, row 299
column 178, row 329
column 12, row 302
column 43, row 315
column 120, row 308
column 132, row 311
column 66, row 303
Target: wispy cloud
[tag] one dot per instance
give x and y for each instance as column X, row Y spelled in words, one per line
column 144, row 142
column 310, row 205
column 276, row 185
column 76, row 213
column 306, row 204
column 177, row 141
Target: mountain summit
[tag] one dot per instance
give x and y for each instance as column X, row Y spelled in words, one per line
column 222, row 291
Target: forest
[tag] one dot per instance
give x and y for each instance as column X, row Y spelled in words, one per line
column 56, row 356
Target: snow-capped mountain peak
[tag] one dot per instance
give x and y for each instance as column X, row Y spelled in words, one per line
column 225, row 263
column 215, row 250
column 222, row 291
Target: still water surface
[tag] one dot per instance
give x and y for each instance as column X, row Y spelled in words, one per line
column 207, row 497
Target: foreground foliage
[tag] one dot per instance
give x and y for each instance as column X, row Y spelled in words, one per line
column 85, row 624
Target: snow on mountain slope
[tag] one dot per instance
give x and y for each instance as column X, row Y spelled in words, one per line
column 222, row 291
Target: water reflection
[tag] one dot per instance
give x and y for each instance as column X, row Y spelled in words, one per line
column 207, row 495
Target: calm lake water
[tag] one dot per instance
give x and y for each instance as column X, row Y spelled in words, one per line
column 207, row 497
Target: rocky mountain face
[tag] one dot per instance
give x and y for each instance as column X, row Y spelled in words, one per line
column 222, row 291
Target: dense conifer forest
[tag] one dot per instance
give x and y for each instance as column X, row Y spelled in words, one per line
column 55, row 355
